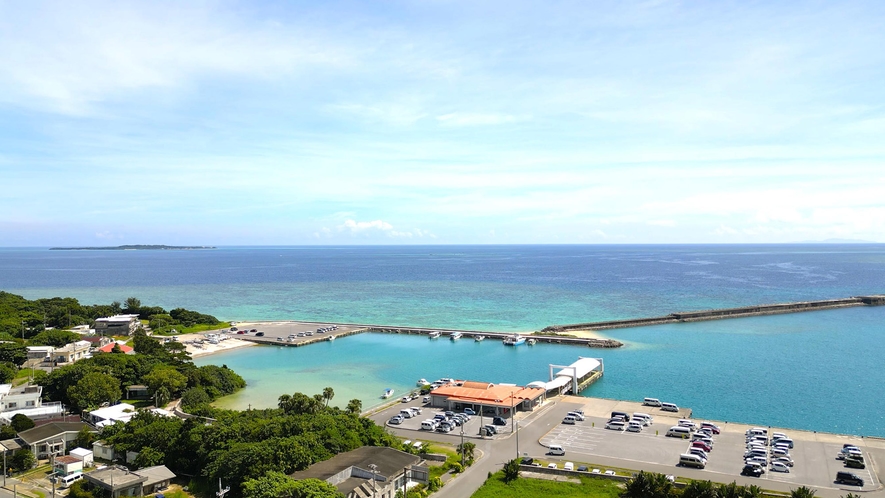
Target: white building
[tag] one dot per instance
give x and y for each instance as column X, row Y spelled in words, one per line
column 116, row 325
column 27, row 401
column 122, row 412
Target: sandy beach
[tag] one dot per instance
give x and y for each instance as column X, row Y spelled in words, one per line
column 206, row 348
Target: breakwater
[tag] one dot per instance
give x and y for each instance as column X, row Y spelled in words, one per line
column 500, row 336
column 718, row 314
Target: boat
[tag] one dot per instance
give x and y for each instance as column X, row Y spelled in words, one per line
column 330, row 338
column 434, row 335
column 455, row 336
column 514, row 340
column 422, row 382
column 531, row 342
column 387, row 393
column 479, row 338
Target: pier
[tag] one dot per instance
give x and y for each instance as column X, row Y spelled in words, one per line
column 718, row 314
column 500, row 336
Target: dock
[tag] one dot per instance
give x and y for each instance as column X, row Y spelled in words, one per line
column 718, row 314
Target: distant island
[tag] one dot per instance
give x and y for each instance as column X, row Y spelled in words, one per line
column 134, row 247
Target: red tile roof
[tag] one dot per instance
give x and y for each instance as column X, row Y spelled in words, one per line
column 109, row 347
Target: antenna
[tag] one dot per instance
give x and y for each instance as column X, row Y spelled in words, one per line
column 221, row 492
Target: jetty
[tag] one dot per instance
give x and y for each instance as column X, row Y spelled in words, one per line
column 470, row 334
column 718, row 314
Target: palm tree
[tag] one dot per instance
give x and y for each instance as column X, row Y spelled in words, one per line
column 753, row 491
column 700, row 489
column 802, row 492
column 354, row 406
column 328, row 394
column 648, row 485
column 284, row 402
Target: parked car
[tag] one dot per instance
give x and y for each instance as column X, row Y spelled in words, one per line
column 710, row 425
column 786, row 460
column 752, row 470
column 259, row 334
column 395, row 420
column 469, row 411
column 527, row 461
column 779, row 466
column 848, row 478
column 855, row 463
column 702, row 445
column 582, row 468
column 499, row 421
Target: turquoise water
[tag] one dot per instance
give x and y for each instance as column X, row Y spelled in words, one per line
column 741, row 370
column 818, row 371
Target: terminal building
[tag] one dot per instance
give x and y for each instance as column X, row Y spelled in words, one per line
column 486, row 398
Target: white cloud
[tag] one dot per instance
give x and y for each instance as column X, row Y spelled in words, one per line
column 477, row 119
column 362, row 226
column 367, row 228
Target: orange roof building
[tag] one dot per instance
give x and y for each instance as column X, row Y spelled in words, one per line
column 490, row 398
column 107, row 348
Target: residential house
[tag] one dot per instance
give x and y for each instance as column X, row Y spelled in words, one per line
column 98, row 341
column 116, row 481
column 375, row 471
column 50, row 439
column 70, row 353
column 67, row 465
column 158, row 478
column 39, row 352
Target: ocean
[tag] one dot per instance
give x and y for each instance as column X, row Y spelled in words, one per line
column 817, row 370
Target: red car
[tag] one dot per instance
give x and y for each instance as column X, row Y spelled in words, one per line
column 713, row 427
column 254, row 330
column 241, row 332
column 702, row 445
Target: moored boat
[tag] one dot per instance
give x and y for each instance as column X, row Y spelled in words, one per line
column 330, row 338
column 531, row 342
column 422, row 382
column 479, row 338
column 514, row 340
column 455, row 336
column 387, row 393
column 434, row 335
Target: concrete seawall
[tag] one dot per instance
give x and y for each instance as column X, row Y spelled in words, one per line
column 498, row 336
column 744, row 311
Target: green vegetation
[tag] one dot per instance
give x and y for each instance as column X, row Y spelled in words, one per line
column 497, row 487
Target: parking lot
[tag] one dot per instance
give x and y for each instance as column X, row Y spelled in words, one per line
column 278, row 332
column 813, row 454
column 471, row 428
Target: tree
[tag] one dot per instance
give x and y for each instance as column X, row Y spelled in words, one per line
column 54, row 338
column 21, row 422
column 328, row 394
column 165, row 379
column 84, row 439
column 94, row 389
column 648, row 485
column 700, row 489
column 7, row 372
column 354, row 406
column 11, row 352
column 511, row 471
column 802, row 492
column 23, row 460
column 194, row 397
column 149, row 457
column 132, row 305
column 278, row 485
column 7, row 432
column 78, row 490
column 467, row 449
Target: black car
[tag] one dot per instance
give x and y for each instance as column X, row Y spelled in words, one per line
column 499, row 421
column 848, row 478
column 752, row 471
column 526, row 461
column 259, row 334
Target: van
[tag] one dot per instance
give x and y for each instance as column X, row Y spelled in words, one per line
column 757, row 431
column 615, row 425
column 556, row 449
column 848, row 478
column 678, row 431
column 689, row 460
column 684, row 422
column 651, row 402
column 579, row 417
column 568, row 466
column 406, row 413
column 784, row 441
column 756, row 453
column 69, row 479
column 427, row 425
column 644, row 418
column 569, row 420
column 623, row 415
column 669, row 407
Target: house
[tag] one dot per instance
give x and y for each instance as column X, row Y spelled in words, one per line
column 19, row 397
column 158, row 478
column 121, row 412
column 116, row 325
column 108, row 348
column 98, row 341
column 83, row 455
column 137, row 391
column 51, row 438
column 67, row 465
column 39, row 352
column 368, row 471
column 101, row 449
column 116, row 481
column 70, row 353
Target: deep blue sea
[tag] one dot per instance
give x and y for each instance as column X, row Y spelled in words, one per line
column 817, row 370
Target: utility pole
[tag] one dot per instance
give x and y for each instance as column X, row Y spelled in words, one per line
column 374, row 471
column 221, row 492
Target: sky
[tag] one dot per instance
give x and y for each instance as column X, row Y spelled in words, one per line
column 441, row 122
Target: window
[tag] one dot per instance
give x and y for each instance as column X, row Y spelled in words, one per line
column 29, row 403
column 12, row 405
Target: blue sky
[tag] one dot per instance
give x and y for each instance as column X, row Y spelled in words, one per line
column 437, row 122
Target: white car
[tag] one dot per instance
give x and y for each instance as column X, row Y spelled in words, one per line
column 777, row 466
column 551, row 465
column 569, row 466
column 634, row 427
column 786, row 460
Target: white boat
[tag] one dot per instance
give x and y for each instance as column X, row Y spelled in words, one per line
column 479, row 338
column 531, row 342
column 387, row 393
column 514, row 340
column 422, row 382
column 434, row 335
column 455, row 336
column 330, row 338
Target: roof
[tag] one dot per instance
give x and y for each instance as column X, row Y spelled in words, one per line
column 44, row 432
column 10, row 444
column 155, row 474
column 67, row 460
column 388, row 460
column 582, row 366
column 115, row 478
column 499, row 395
column 82, row 452
column 117, row 318
column 107, row 348
column 116, row 412
column 4, row 389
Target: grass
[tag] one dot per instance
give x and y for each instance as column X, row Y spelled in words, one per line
column 200, row 327
column 495, row 487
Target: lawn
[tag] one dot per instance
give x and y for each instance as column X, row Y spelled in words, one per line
column 495, row 487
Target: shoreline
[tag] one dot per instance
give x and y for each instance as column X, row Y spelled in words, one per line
column 206, row 349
